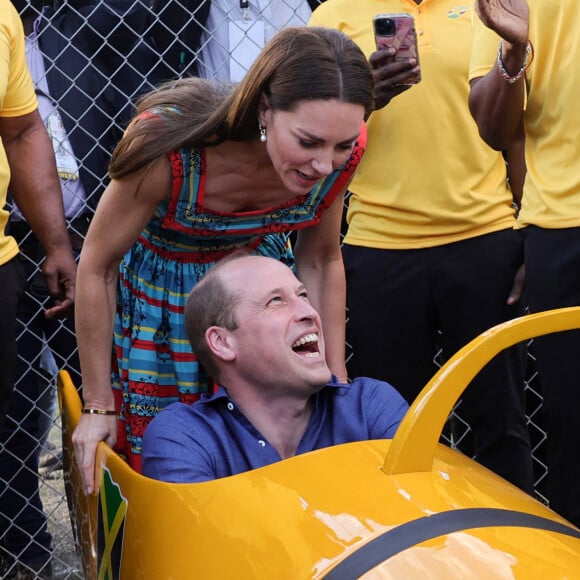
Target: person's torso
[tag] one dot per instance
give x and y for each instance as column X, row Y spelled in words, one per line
column 426, row 178
column 16, row 98
column 552, row 117
column 235, row 35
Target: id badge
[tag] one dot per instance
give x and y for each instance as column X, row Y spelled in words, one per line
column 246, row 40
column 66, row 162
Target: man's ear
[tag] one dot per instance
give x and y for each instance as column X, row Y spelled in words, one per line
column 219, row 341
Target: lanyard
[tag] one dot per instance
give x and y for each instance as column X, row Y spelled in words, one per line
column 245, row 7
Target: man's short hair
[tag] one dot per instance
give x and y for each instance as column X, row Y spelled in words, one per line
column 211, row 303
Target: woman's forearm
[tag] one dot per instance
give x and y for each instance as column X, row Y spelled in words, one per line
column 94, row 319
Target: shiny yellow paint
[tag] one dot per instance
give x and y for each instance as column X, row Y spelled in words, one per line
column 302, row 517
column 417, row 437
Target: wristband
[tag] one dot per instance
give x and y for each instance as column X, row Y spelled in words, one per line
column 98, row 412
column 511, row 79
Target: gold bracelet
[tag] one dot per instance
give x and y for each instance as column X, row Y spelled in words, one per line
column 98, row 412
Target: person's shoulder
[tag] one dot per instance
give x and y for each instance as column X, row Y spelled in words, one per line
column 176, row 412
column 380, row 399
column 358, row 385
column 371, row 386
column 369, row 382
column 173, row 413
column 9, row 14
column 330, row 12
column 10, row 24
column 183, row 419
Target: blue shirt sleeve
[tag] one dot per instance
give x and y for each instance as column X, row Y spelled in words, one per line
column 384, row 407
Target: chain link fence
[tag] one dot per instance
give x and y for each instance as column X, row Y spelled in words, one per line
column 118, row 49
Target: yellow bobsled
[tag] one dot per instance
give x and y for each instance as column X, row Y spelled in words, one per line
column 409, row 508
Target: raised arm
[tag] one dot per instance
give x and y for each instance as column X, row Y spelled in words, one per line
column 320, row 268
column 35, row 187
column 496, row 100
column 121, row 215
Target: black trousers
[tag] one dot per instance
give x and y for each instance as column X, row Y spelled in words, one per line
column 553, row 281
column 23, row 523
column 11, row 289
column 405, row 304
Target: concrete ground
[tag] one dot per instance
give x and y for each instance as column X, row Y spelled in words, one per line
column 65, row 561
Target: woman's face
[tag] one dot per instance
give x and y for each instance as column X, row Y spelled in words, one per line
column 311, row 141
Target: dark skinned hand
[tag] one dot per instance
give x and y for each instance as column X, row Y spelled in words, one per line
column 390, row 74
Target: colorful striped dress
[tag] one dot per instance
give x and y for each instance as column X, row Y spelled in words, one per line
column 153, row 364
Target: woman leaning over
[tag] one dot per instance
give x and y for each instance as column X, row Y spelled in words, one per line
column 201, row 171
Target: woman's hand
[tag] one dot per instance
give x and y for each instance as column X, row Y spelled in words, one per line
column 90, row 431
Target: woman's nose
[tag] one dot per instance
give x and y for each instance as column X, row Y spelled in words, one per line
column 323, row 163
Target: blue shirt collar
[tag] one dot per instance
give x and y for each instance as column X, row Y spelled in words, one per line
column 222, row 393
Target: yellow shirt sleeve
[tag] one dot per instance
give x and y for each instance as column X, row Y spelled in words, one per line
column 16, row 87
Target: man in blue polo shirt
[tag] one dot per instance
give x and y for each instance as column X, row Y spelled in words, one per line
column 252, row 326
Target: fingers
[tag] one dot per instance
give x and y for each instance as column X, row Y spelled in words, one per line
column 60, row 310
column 51, row 279
column 90, row 431
column 518, row 286
column 60, row 282
column 381, row 57
column 398, row 79
column 407, row 76
column 391, row 76
column 85, row 453
column 87, row 467
column 394, row 72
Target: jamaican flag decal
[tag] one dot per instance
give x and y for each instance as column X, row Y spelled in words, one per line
column 112, row 510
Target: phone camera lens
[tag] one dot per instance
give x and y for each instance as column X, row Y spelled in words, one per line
column 386, row 27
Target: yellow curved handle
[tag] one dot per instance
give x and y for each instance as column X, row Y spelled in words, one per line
column 413, row 447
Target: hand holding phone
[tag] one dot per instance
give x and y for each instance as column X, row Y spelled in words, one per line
column 397, row 31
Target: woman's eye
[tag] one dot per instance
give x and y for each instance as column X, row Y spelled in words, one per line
column 346, row 146
column 306, row 144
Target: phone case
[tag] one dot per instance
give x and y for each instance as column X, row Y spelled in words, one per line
column 403, row 38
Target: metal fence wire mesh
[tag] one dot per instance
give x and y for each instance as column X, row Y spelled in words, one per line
column 188, row 39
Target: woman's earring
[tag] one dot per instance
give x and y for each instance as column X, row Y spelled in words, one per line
column 263, row 136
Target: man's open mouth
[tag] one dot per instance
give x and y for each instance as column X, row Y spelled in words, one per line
column 307, row 345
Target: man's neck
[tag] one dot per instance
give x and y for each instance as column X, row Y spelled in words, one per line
column 282, row 422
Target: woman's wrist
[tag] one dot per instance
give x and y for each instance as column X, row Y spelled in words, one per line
column 100, row 398
column 93, row 411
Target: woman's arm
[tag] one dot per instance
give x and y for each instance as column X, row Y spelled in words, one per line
column 320, row 268
column 121, row 215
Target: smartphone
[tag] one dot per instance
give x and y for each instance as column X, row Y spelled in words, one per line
column 398, row 31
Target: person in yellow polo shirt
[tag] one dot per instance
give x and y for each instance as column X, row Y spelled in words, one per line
column 27, row 164
column 527, row 72
column 430, row 244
